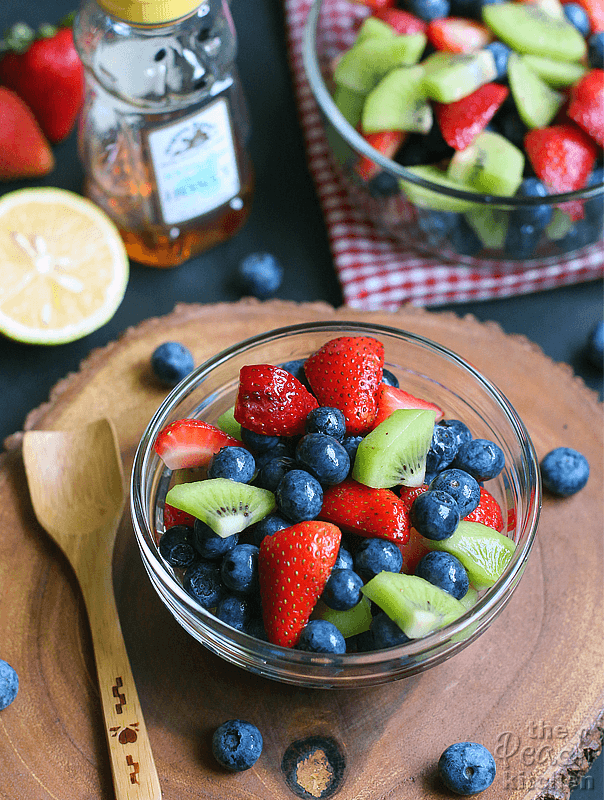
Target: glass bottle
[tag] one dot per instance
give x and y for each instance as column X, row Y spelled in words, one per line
column 164, row 125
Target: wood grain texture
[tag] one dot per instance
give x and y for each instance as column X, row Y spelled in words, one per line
column 531, row 688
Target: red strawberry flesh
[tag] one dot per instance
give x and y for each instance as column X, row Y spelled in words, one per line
column 586, row 105
column 562, row 156
column 461, row 121
column 188, row 443
column 391, row 398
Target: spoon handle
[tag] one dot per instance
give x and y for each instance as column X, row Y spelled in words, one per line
column 132, row 765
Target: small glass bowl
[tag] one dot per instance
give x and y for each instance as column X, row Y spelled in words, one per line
column 456, row 225
column 426, row 370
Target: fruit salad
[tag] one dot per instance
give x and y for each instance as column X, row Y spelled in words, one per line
column 496, row 98
column 329, row 509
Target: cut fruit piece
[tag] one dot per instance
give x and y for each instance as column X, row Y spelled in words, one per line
column 349, row 103
column 586, row 106
column 385, row 142
column 402, row 21
column 373, row 26
column 527, row 28
column 227, row 506
column 536, row 103
column 349, row 623
column 187, row 443
column 417, row 606
column 469, row 599
column 398, row 103
column 562, row 156
column 484, row 552
column 559, row 226
column 366, row 511
column 395, row 452
column 491, row 164
column 361, row 67
column 554, row 72
column 451, row 76
column 490, row 225
column 64, row 266
column 460, row 122
column 421, row 196
column 228, row 424
column 458, row 34
column 389, row 398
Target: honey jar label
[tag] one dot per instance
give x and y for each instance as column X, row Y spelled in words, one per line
column 195, row 163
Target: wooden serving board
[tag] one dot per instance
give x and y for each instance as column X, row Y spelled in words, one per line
column 531, row 688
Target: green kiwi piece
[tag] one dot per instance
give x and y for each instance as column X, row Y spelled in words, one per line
column 228, row 424
column 484, row 552
column 372, row 27
column 433, row 199
column 490, row 164
column 554, row 72
column 398, row 103
column 559, row 226
column 490, row 225
column 349, row 623
column 536, row 102
column 349, row 103
column 226, row 506
column 469, row 599
column 395, row 451
column 361, row 67
column 451, row 76
column 417, row 606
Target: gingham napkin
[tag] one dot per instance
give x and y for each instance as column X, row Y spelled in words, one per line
column 375, row 271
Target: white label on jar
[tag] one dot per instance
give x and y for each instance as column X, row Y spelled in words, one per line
column 195, row 163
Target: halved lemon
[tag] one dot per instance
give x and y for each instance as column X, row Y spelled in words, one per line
column 63, row 264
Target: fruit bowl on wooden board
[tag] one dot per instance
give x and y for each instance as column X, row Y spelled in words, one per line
column 499, row 175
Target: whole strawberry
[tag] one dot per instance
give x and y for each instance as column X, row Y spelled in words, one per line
column 294, row 565
column 24, row 151
column 46, row 72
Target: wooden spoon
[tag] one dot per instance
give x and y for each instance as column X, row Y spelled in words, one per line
column 76, row 482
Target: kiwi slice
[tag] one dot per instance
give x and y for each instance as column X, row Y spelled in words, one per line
column 470, row 598
column 374, row 26
column 491, row 164
column 559, row 226
column 349, row 623
column 554, row 72
column 490, row 225
column 417, row 606
column 395, row 451
column 429, row 199
column 361, row 67
column 226, row 506
column 349, row 103
column 398, row 103
column 484, row 552
column 536, row 103
column 451, row 76
column 228, row 424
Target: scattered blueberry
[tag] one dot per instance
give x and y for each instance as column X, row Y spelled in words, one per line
column 268, row 526
column 258, row 442
column 445, row 571
column 461, row 430
column 203, row 582
column 237, row 744
column 324, row 457
column 595, row 346
column 385, row 632
column 538, row 216
column 171, row 362
column 239, row 569
column 595, row 50
column 209, row 544
column 389, row 378
column 462, row 487
column 577, row 16
column 273, row 469
column 443, row 448
column 501, row 53
column 384, row 184
column 234, row 463
column 481, row 458
column 299, row 496
column 435, row 514
column 467, row 768
column 255, row 627
column 321, row 636
column 260, row 275
column 429, row 9
column 9, row 684
column 564, row 471
column 327, row 420
column 342, row 590
column 176, row 546
column 377, row 555
column 234, row 611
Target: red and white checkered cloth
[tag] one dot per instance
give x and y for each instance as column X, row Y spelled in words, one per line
column 375, row 271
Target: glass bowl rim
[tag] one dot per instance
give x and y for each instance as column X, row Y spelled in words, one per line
column 349, row 134
column 494, row 599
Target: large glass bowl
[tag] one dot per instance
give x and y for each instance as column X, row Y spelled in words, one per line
column 455, row 225
column 426, row 370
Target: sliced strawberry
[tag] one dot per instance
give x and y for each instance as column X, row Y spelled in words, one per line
column 346, row 373
column 293, row 567
column 562, row 156
column 458, row 35
column 373, row 513
column 414, row 549
column 389, row 398
column 385, row 142
column 460, row 122
column 409, row 493
column 488, row 511
column 376, row 5
column 403, row 22
column 174, row 516
column 586, row 106
column 270, row 400
column 189, row 443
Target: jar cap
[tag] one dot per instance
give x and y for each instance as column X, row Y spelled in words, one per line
column 149, row 11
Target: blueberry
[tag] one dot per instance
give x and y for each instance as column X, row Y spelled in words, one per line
column 462, row 487
column 176, row 546
column 234, row 463
column 537, row 216
column 342, row 590
column 429, row 9
column 377, row 555
column 273, row 469
column 481, row 458
column 510, row 124
column 595, row 346
column 9, row 684
column 260, row 275
column 445, row 571
column 389, row 378
column 237, row 744
column 209, row 544
column 443, row 448
column 258, row 442
column 521, row 238
column 437, row 225
column 461, row 430
column 321, row 636
column 234, row 611
column 501, row 53
column 361, row 642
column 577, row 16
column 239, row 569
column 424, row 148
column 203, row 582
column 466, row 768
column 255, row 627
column 171, row 362
column 564, row 471
column 324, row 457
column 385, row 632
column 351, row 445
column 464, row 239
column 299, row 496
column 344, row 559
column 383, row 184
column 595, row 50
column 435, row 514
column 580, row 235
column 268, row 526
column 330, row 421
column 296, row 368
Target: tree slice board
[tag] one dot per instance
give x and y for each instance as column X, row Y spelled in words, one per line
column 531, row 688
